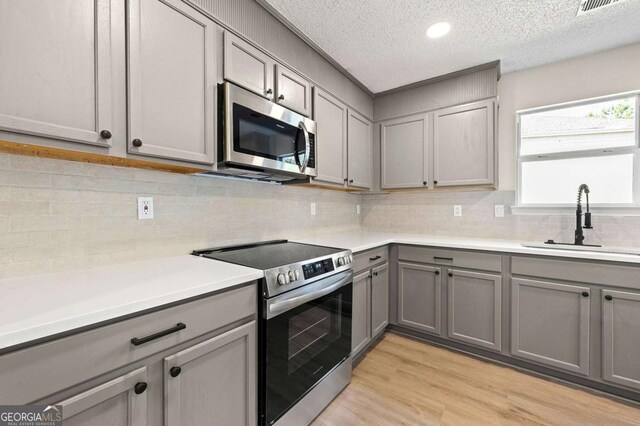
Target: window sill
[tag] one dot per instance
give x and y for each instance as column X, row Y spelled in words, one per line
column 571, row 211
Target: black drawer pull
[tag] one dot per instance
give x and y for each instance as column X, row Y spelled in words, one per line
column 371, row 259
column 141, row 340
column 450, row 274
column 175, row 371
column 585, row 294
column 444, row 259
column 436, row 272
column 140, row 387
column 608, row 297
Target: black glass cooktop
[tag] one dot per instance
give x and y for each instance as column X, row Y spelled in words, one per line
column 267, row 255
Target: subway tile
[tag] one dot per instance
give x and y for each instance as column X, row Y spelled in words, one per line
column 21, row 178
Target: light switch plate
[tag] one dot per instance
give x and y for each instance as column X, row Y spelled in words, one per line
column 457, row 210
column 145, row 207
column 499, row 210
column 313, row 209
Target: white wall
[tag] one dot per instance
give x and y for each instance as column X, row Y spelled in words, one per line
column 603, row 73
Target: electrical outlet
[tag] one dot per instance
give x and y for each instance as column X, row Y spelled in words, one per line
column 357, row 208
column 457, row 210
column 145, row 207
column 313, row 209
column 499, row 210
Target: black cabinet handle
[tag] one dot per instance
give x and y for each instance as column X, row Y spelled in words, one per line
column 105, row 134
column 350, row 180
column 141, row 340
column 175, row 371
column 585, row 294
column 375, row 274
column 435, row 182
column 608, row 297
column 450, row 274
column 437, row 272
column 424, row 183
column 268, row 92
column 371, row 259
column 281, row 97
column 140, row 387
column 137, row 143
column 346, row 180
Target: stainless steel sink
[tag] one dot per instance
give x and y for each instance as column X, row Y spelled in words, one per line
column 571, row 247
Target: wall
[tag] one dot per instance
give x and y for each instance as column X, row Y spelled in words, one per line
column 60, row 215
column 604, row 73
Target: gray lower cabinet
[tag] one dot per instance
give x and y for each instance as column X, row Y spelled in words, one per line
column 213, row 382
column 359, row 152
column 621, row 338
column 247, row 66
column 293, row 91
column 172, row 78
column 379, row 299
column 550, row 324
column 56, row 74
column 464, row 145
column 404, row 151
column 330, row 115
column 475, row 308
column 419, row 297
column 361, row 312
column 118, row 402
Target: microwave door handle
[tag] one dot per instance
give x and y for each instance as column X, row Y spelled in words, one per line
column 307, row 148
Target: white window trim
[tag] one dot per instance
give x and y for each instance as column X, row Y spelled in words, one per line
column 632, row 209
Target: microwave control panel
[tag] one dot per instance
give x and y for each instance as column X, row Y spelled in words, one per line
column 320, row 267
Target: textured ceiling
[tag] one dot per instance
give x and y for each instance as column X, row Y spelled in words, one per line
column 383, row 43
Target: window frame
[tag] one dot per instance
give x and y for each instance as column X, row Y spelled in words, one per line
column 623, row 209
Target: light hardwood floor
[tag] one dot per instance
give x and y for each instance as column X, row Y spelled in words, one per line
column 406, row 382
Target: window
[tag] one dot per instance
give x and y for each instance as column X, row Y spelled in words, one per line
column 593, row 142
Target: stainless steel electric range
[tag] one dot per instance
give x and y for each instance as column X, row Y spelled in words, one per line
column 304, row 312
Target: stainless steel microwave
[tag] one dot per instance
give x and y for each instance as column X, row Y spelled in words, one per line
column 262, row 140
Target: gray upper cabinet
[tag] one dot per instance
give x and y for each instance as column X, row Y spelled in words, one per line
column 405, row 152
column 359, row 156
column 172, row 81
column 361, row 312
column 550, row 324
column 213, row 381
column 118, row 402
column 379, row 299
column 464, row 145
column 55, row 78
column 621, row 338
column 330, row 116
column 293, row 91
column 419, row 297
column 475, row 308
column 247, row 66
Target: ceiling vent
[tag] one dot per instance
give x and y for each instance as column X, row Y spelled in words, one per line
column 587, row 6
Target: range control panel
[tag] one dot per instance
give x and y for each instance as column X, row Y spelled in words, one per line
column 320, row 267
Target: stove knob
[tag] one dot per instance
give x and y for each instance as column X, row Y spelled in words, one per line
column 297, row 273
column 292, row 276
column 350, row 258
column 341, row 261
column 282, row 279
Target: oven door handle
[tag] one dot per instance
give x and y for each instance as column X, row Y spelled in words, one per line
column 275, row 308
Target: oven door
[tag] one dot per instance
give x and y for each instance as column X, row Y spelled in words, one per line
column 304, row 337
column 262, row 134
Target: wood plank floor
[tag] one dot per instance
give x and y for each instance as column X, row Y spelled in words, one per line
column 405, row 382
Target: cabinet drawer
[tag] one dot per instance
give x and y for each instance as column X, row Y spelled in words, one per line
column 34, row 373
column 369, row 258
column 582, row 272
column 460, row 259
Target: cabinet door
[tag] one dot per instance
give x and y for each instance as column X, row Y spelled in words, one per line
column 475, row 308
column 550, row 324
column 293, row 91
column 419, row 297
column 119, row 402
column 361, row 312
column 172, row 81
column 404, row 151
column 464, row 145
column 213, row 381
column 621, row 338
column 330, row 116
column 55, row 78
column 379, row 299
column 247, row 66
column 359, row 134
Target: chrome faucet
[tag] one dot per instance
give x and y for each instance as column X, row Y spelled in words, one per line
column 579, row 235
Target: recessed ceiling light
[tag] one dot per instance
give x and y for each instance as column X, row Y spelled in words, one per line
column 438, row 30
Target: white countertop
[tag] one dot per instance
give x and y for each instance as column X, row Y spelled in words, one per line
column 360, row 241
column 36, row 307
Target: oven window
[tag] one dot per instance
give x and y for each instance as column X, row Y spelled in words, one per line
column 263, row 136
